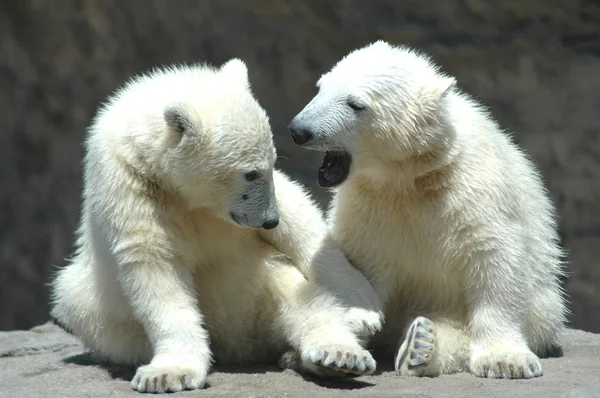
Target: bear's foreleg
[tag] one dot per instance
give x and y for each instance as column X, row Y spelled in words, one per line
column 162, row 299
column 314, row 325
column 497, row 289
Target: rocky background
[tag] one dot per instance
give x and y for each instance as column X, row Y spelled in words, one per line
column 536, row 63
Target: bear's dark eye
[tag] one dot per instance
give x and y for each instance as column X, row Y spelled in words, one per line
column 251, row 176
column 356, row 106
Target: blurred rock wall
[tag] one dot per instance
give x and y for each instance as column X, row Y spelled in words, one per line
column 536, row 63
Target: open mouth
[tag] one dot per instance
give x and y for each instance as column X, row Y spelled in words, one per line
column 335, row 168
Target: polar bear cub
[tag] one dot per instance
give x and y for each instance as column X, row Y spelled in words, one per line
column 443, row 213
column 191, row 248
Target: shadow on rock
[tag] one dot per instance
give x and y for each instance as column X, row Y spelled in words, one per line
column 127, row 372
column 343, row 383
column 254, row 368
column 122, row 372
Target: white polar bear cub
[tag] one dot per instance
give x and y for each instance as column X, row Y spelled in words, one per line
column 446, row 217
column 191, row 248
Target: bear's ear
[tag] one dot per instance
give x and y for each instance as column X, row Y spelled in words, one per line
column 444, row 85
column 236, row 69
column 180, row 120
column 434, row 93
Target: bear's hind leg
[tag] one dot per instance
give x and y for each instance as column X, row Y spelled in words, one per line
column 431, row 347
column 93, row 310
column 545, row 321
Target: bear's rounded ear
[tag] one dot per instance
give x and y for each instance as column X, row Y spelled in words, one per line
column 180, row 119
column 445, row 84
column 236, row 69
column 433, row 94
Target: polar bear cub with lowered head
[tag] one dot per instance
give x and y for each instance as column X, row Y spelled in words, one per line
column 442, row 212
column 192, row 248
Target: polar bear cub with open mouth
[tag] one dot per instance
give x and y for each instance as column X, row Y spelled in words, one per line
column 442, row 212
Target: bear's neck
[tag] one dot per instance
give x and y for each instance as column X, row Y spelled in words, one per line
column 427, row 169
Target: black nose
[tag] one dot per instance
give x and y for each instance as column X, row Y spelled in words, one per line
column 270, row 224
column 299, row 135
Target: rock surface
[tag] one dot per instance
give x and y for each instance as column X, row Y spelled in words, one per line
column 46, row 361
column 535, row 63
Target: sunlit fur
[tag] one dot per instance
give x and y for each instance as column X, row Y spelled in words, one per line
column 443, row 213
column 163, row 274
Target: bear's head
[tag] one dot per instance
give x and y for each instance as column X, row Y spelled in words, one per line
column 379, row 104
column 221, row 153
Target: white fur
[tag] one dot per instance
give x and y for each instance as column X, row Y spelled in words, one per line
column 444, row 214
column 163, row 273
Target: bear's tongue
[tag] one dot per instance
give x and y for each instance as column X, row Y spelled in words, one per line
column 335, row 168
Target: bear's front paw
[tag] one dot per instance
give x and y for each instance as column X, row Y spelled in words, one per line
column 499, row 363
column 363, row 322
column 337, row 360
column 170, row 375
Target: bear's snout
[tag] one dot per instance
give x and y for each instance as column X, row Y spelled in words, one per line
column 300, row 135
column 272, row 223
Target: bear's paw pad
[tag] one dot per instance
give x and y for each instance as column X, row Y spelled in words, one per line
column 417, row 349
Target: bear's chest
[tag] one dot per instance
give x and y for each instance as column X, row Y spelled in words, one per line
column 206, row 244
column 230, row 269
column 397, row 241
